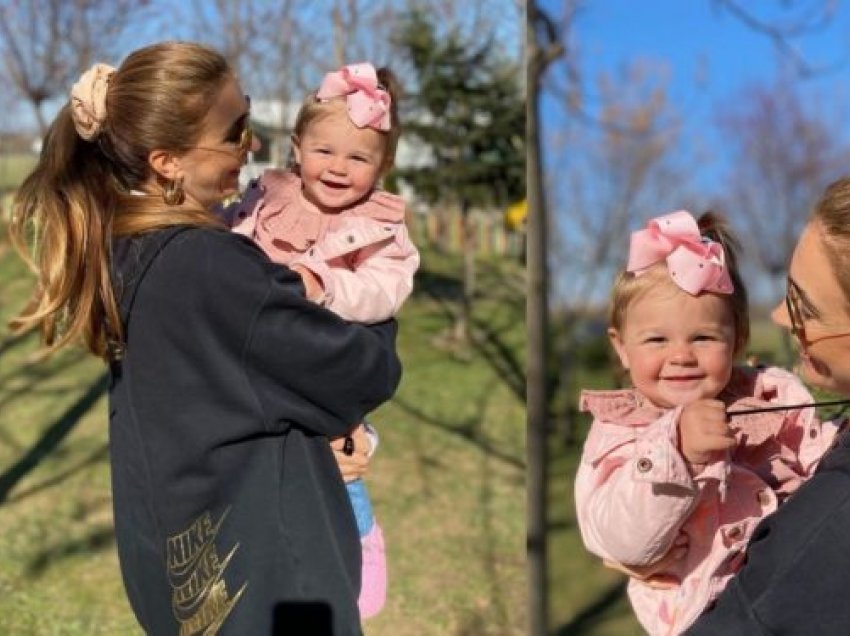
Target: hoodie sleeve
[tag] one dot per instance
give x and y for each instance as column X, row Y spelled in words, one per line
column 310, row 367
column 298, row 363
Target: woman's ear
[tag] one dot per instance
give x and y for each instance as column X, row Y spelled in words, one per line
column 164, row 164
column 619, row 347
column 296, row 148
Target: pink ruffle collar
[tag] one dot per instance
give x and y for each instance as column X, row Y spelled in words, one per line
column 746, row 389
column 286, row 213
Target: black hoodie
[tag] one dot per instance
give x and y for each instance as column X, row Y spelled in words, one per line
column 797, row 574
column 230, row 511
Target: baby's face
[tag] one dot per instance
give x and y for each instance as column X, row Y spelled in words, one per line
column 340, row 163
column 678, row 348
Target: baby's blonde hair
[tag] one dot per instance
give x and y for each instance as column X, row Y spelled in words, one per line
column 629, row 287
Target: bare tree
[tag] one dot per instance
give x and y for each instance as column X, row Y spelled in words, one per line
column 233, row 27
column 784, row 153
column 544, row 47
column 796, row 19
column 47, row 44
column 361, row 30
column 282, row 49
column 629, row 156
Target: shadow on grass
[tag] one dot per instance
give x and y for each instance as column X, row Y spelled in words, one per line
column 438, row 286
column 593, row 613
column 35, row 371
column 498, row 614
column 13, row 341
column 98, row 455
column 501, row 358
column 30, row 378
column 464, row 429
column 53, row 436
column 495, row 614
column 561, row 526
column 485, row 339
column 98, row 539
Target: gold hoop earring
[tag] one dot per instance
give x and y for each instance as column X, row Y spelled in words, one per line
column 173, row 193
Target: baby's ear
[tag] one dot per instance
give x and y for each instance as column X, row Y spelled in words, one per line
column 296, row 148
column 619, row 347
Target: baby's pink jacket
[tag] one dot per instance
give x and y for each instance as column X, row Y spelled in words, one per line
column 635, row 492
column 363, row 255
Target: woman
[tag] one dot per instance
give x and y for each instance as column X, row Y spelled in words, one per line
column 230, row 512
column 797, row 573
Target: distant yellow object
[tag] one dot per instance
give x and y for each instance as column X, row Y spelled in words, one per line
column 515, row 216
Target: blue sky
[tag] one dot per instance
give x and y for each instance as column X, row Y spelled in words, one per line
column 699, row 35
column 708, row 54
column 707, row 57
column 164, row 20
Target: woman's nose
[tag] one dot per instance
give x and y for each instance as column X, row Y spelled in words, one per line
column 780, row 316
column 256, row 144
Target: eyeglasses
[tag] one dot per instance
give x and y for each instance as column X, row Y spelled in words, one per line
column 793, row 303
column 246, row 138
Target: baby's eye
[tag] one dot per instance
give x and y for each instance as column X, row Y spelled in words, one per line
column 704, row 337
column 361, row 159
column 654, row 340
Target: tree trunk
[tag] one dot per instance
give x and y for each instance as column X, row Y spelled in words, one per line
column 464, row 316
column 39, row 118
column 537, row 317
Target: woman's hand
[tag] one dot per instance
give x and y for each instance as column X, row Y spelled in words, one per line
column 353, row 465
column 312, row 283
column 656, row 575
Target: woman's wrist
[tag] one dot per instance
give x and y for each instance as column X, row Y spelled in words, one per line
column 312, row 283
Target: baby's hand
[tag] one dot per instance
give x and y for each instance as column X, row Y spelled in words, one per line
column 704, row 430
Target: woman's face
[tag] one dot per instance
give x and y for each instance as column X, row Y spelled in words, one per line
column 822, row 314
column 210, row 170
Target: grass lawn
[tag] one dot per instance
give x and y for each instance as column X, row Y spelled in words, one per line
column 448, row 481
column 14, row 167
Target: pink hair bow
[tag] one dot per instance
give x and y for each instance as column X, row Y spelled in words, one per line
column 695, row 263
column 368, row 102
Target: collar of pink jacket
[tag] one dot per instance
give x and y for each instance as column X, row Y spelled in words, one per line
column 285, row 211
column 746, row 389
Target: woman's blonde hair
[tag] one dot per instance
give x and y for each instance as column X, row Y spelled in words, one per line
column 313, row 109
column 832, row 213
column 78, row 198
column 628, row 287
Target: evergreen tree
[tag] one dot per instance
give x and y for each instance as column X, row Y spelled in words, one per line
column 467, row 109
